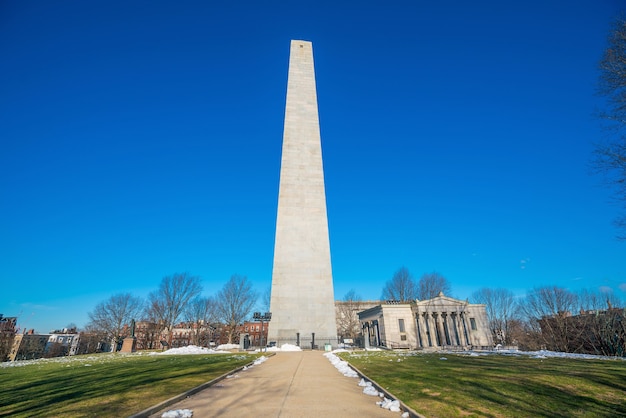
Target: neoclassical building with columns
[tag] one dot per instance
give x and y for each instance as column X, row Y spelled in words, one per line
column 441, row 322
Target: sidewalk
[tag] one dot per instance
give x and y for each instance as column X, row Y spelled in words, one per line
column 288, row 385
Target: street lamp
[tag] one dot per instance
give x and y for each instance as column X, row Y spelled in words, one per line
column 267, row 317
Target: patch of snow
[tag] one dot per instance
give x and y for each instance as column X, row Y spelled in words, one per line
column 260, row 360
column 178, row 413
column 341, row 365
column 370, row 390
column 541, row 354
column 192, row 349
column 393, row 406
column 285, row 347
column 68, row 361
column 226, row 347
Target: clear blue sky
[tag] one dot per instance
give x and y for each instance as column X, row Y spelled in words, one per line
column 140, row 139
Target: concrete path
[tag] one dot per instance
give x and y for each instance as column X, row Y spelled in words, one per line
column 288, row 385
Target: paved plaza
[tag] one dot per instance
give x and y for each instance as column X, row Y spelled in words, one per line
column 289, row 385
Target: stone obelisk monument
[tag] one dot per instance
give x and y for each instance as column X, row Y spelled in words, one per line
column 302, row 301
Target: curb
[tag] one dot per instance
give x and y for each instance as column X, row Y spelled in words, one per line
column 389, row 395
column 162, row 405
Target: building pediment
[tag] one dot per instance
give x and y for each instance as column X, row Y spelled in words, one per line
column 440, row 302
column 441, row 298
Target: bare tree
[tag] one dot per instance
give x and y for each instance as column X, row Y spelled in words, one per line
column 92, row 340
column 611, row 155
column 550, row 309
column 8, row 330
column 593, row 300
column 603, row 321
column 166, row 305
column 199, row 314
column 234, row 303
column 401, row 287
column 348, row 325
column 501, row 308
column 431, row 284
column 113, row 314
column 526, row 334
column 266, row 299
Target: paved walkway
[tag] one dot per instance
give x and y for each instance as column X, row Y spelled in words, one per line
column 288, row 385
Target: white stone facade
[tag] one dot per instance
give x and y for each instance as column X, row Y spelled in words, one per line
column 302, row 299
column 441, row 322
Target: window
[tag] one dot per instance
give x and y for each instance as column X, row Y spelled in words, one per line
column 473, row 324
column 403, row 337
column 246, row 328
column 257, row 327
column 401, row 325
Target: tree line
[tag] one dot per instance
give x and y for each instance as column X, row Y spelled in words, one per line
column 549, row 317
column 555, row 318
column 178, row 298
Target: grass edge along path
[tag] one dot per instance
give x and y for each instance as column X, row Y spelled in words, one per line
column 168, row 402
column 404, row 407
column 106, row 385
column 456, row 385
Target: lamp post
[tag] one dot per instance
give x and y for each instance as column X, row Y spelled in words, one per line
column 267, row 317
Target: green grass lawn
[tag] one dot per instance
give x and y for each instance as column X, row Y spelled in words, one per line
column 106, row 385
column 451, row 385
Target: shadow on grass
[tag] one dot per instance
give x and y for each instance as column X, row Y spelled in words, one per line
column 497, row 386
column 108, row 388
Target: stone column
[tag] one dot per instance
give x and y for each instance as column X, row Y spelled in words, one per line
column 366, row 335
column 446, row 329
column 433, row 329
column 467, row 341
column 455, row 327
column 427, row 326
column 302, row 299
column 420, row 330
column 437, row 328
column 376, row 333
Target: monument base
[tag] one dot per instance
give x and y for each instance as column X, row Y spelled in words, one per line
column 129, row 345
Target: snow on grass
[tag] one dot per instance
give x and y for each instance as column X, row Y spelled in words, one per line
column 541, row 354
column 82, row 360
column 106, row 357
column 178, row 413
column 393, row 406
column 343, row 366
column 194, row 349
column 368, row 387
column 226, row 347
column 260, row 360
